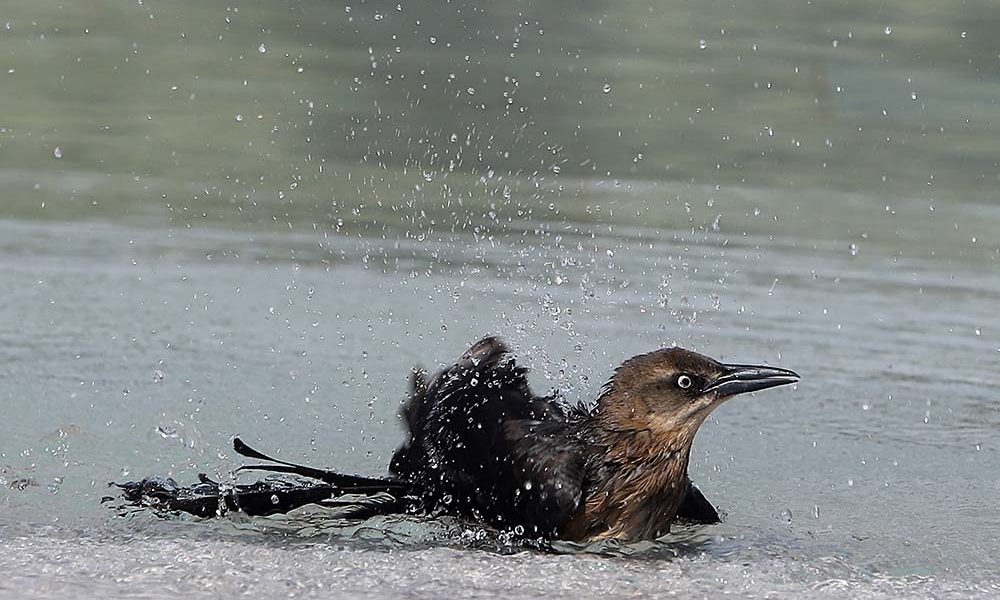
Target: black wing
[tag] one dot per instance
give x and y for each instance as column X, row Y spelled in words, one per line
column 548, row 471
column 697, row 508
column 482, row 444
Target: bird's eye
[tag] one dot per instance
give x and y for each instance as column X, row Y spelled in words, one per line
column 684, row 381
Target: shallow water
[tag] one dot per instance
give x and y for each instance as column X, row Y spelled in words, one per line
column 176, row 277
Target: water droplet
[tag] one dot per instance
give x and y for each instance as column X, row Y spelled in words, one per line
column 702, row 44
column 607, row 88
column 262, row 48
column 913, row 96
column 57, row 152
column 239, row 118
column 888, row 30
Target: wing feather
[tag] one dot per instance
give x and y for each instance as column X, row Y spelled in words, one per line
column 478, row 436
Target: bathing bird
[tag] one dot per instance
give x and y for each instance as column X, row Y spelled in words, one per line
column 482, row 446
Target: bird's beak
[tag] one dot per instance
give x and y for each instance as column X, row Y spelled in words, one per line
column 740, row 379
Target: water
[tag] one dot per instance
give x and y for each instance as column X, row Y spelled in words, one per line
column 724, row 179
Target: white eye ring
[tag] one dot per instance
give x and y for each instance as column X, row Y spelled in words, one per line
column 684, row 381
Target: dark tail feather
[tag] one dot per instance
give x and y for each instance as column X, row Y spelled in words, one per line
column 347, row 483
column 209, row 498
column 273, row 501
column 341, row 484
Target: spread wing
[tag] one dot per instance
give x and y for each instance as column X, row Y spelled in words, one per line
column 482, row 444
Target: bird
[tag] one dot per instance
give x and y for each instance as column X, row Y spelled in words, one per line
column 482, row 446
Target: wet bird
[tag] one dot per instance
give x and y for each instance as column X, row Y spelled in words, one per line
column 483, row 446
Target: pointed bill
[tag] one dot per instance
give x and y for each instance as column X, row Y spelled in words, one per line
column 740, row 379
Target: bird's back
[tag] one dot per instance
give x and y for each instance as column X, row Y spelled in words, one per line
column 477, row 438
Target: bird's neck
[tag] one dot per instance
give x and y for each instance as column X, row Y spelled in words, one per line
column 629, row 420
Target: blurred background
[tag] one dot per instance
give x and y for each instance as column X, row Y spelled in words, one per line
column 255, row 217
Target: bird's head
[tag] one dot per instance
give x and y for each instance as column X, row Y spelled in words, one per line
column 671, row 391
